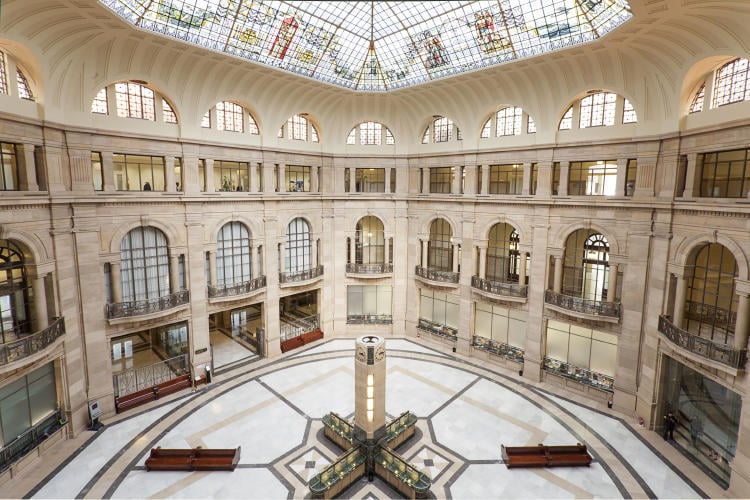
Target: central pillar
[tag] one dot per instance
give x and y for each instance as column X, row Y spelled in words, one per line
column 369, row 387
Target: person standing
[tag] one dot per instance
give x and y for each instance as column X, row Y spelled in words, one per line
column 670, row 422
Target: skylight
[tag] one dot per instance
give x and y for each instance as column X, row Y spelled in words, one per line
column 378, row 46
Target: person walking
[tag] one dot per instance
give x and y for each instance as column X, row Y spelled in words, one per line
column 670, row 422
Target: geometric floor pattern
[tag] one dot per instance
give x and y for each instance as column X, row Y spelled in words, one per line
column 274, row 409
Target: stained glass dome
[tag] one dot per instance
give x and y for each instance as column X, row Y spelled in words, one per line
column 378, row 46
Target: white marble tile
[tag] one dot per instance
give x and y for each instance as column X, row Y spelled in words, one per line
column 226, row 350
column 659, row 476
column 80, row 470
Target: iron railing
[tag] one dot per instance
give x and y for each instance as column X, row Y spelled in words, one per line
column 301, row 275
column 30, row 439
column 237, row 289
column 148, row 306
column 294, row 327
column 706, row 348
column 436, row 275
column 136, row 379
column 585, row 306
column 444, row 331
column 579, row 374
column 369, row 268
column 369, row 319
column 498, row 348
column 498, row 287
column 31, row 344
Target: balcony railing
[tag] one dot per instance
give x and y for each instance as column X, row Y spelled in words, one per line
column 237, row 289
column 580, row 375
column 26, row 346
column 149, row 306
column 143, row 377
column 585, row 306
column 444, row 331
column 721, row 353
column 498, row 287
column 294, row 327
column 435, row 275
column 369, row 268
column 301, row 275
column 23, row 444
column 498, row 348
column 369, row 319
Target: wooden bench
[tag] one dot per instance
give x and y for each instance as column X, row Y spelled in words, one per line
column 545, row 456
column 128, row 401
column 193, row 459
column 172, row 386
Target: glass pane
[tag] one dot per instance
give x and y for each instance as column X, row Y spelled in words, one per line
column 557, row 345
column 580, row 351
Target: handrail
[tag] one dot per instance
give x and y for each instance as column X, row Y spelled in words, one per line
column 305, row 275
column 499, row 287
column 33, row 343
column 236, row 289
column 706, row 348
column 143, row 377
column 294, row 327
column 355, row 268
column 436, row 275
column 148, row 306
column 581, row 305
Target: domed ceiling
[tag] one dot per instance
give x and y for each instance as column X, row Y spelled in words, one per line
column 378, row 46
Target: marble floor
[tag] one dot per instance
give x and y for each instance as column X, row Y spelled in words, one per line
column 466, row 410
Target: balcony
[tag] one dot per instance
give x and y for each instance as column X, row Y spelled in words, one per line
column 502, row 349
column 368, row 270
column 147, row 307
column 31, row 344
column 437, row 278
column 444, row 331
column 596, row 310
column 579, row 374
column 30, row 439
column 499, row 289
column 369, row 319
column 300, row 277
column 725, row 356
column 225, row 292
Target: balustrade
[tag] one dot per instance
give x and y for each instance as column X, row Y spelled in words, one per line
column 585, row 306
column 436, row 275
column 237, row 289
column 498, row 348
column 136, row 379
column 579, row 374
column 369, row 268
column 444, row 331
column 32, row 343
column 706, row 348
column 369, row 319
column 308, row 274
column 498, row 287
column 148, row 306
column 30, row 439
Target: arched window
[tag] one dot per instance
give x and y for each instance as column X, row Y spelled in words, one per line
column 507, row 121
column 370, row 134
column 586, row 266
column 134, row 101
column 696, row 106
column 599, row 109
column 370, row 241
column 439, row 251
column 503, row 258
column 233, row 255
column 441, row 129
column 230, row 117
column 144, row 264
column 299, row 128
column 732, row 84
column 298, row 251
column 14, row 293
column 22, row 83
column 711, row 303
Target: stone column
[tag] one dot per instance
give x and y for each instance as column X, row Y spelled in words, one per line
column 482, row 260
column 622, row 172
column 281, row 257
column 40, row 302
column 26, row 168
column 209, row 172
column 190, row 181
column 425, row 256
column 116, row 278
column 108, row 173
column 562, row 189
column 314, row 181
column 313, row 253
column 425, row 180
column 456, row 246
column 525, row 188
column 174, row 273
column 612, row 286
column 253, row 271
column 282, row 178
column 690, row 177
column 457, row 177
column 557, row 286
column 353, row 248
column 485, row 179
column 169, row 180
column 253, row 178
column 387, row 179
column 386, row 249
column 81, row 169
column 212, row 267
column 522, row 269
column 742, row 326
column 679, row 301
